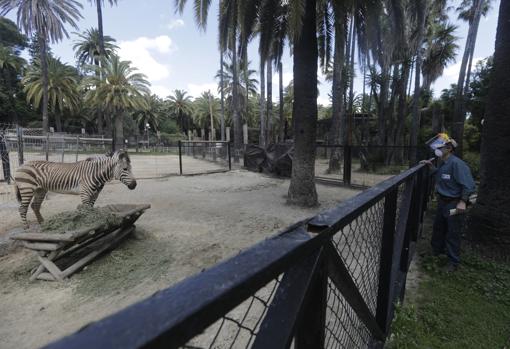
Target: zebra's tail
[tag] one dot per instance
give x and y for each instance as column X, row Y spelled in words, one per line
column 18, row 193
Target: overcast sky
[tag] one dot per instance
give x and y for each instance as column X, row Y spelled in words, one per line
column 175, row 54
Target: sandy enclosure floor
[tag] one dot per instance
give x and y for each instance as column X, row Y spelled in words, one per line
column 194, row 222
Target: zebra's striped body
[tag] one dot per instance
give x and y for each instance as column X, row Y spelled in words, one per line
column 35, row 178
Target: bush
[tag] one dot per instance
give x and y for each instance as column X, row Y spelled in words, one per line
column 169, row 126
column 473, row 161
column 171, row 138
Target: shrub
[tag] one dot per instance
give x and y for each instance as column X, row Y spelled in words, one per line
column 473, row 161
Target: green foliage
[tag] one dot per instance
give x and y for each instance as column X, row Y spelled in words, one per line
column 171, row 138
column 472, row 159
column 10, row 35
column 168, row 126
column 472, row 137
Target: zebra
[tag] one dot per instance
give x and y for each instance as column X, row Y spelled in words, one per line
column 88, row 177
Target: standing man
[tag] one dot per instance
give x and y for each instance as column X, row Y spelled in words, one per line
column 454, row 185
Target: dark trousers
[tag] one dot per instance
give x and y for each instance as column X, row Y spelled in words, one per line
column 447, row 231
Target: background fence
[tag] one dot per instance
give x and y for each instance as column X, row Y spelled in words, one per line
column 18, row 146
column 363, row 166
column 326, row 282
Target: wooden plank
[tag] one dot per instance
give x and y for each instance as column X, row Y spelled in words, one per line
column 340, row 276
column 41, row 246
column 51, row 267
column 118, row 236
column 46, row 277
column 277, row 329
column 42, row 237
column 40, row 268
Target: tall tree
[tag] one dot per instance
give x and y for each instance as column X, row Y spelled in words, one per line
column 459, row 116
column 62, row 85
column 99, row 9
column 121, row 90
column 490, row 217
column 180, row 105
column 46, row 18
column 88, row 51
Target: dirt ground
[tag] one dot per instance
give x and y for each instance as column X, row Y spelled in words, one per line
column 193, row 223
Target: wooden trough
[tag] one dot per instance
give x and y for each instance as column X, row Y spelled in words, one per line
column 61, row 255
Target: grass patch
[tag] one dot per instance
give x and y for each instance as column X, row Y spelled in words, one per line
column 466, row 309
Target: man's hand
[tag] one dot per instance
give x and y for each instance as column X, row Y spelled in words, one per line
column 461, row 206
column 428, row 162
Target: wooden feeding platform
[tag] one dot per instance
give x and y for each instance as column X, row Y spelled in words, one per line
column 62, row 254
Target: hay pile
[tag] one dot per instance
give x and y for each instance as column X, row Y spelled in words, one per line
column 80, row 218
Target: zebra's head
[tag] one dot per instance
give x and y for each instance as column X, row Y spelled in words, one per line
column 122, row 169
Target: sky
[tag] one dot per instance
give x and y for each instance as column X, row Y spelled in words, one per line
column 175, row 54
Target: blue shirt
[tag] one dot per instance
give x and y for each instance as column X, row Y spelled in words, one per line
column 453, row 179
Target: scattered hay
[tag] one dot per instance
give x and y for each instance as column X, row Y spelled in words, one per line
column 82, row 217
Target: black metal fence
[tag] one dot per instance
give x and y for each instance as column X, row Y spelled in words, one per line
column 364, row 166
column 330, row 281
column 182, row 158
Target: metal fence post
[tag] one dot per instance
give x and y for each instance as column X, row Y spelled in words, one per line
column 77, row 147
column 6, row 165
column 47, row 146
column 347, row 164
column 311, row 329
column 20, row 145
column 384, row 293
column 229, row 157
column 180, row 157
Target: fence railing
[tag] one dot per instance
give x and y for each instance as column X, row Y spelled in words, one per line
column 330, row 281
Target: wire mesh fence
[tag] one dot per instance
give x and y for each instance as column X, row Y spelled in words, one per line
column 364, row 166
column 327, row 282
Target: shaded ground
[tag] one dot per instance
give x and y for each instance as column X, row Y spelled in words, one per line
column 194, row 222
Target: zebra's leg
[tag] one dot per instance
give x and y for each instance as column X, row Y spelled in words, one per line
column 86, row 195
column 39, row 195
column 94, row 196
column 26, row 194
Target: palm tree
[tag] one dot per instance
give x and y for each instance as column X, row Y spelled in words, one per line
column 121, row 90
column 470, row 10
column 63, row 92
column 88, row 47
column 439, row 52
column 47, row 21
column 180, row 105
column 102, row 40
column 88, row 51
column 150, row 113
column 202, row 108
column 491, row 213
column 10, row 66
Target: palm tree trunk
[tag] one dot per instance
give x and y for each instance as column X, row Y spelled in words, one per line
column 238, row 131
column 459, row 107
column 100, row 27
column 58, row 121
column 336, row 134
column 471, row 54
column 222, row 96
column 44, row 69
column 119, row 131
column 269, row 102
column 302, row 189
column 262, row 135
column 381, row 107
column 351, row 74
column 348, row 59
column 99, row 113
column 280, row 92
column 415, row 124
column 490, row 217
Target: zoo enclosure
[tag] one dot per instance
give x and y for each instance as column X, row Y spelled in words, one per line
column 330, row 281
column 184, row 157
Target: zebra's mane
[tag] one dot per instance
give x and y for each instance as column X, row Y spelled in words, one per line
column 119, row 154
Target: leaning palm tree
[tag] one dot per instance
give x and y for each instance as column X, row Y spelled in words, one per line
column 180, row 105
column 120, row 91
column 46, row 19
column 63, row 92
column 150, row 114
column 202, row 108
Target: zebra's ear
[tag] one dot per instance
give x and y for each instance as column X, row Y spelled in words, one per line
column 109, row 154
